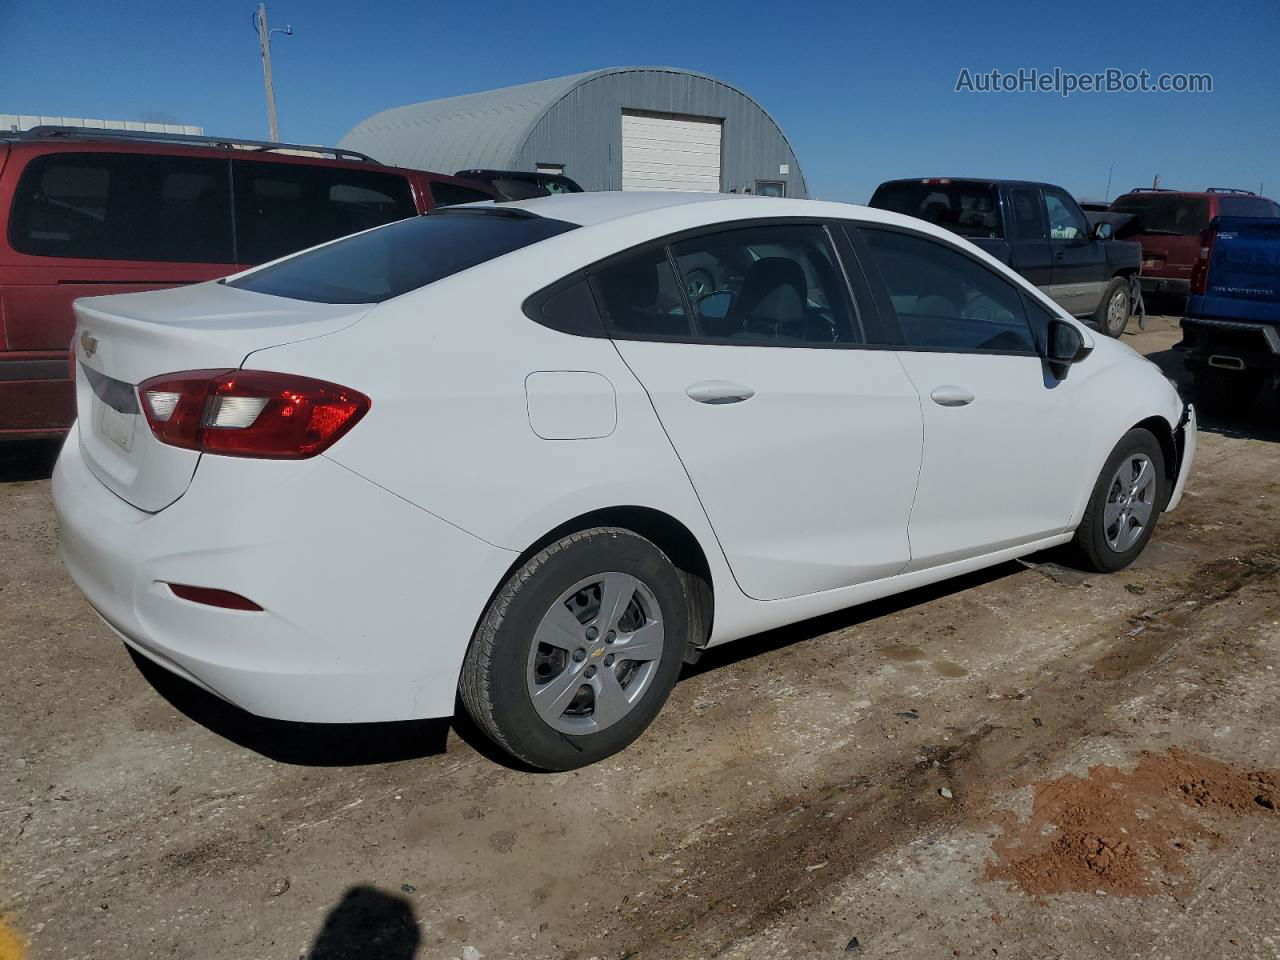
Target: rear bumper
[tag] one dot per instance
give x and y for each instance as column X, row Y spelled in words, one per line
column 1185, row 441
column 1169, row 286
column 369, row 602
column 1231, row 344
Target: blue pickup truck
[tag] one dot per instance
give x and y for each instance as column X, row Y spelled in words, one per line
column 1231, row 330
column 1040, row 231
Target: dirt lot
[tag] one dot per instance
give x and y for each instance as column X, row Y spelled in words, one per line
column 1027, row 763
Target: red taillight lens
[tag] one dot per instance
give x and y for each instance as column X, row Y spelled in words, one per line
column 249, row 413
column 1200, row 272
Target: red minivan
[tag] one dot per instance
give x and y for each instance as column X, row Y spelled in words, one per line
column 1168, row 223
column 90, row 212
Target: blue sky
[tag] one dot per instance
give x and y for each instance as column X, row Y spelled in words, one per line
column 864, row 91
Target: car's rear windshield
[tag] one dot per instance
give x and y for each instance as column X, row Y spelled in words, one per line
column 384, row 263
column 1173, row 214
column 966, row 207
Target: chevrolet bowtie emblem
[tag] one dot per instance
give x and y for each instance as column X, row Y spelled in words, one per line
column 88, row 343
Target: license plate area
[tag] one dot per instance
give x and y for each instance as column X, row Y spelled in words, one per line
column 116, row 426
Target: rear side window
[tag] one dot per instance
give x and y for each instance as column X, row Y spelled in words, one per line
column 404, row 256
column 1246, row 207
column 448, row 194
column 772, row 285
column 104, row 206
column 965, row 207
column 640, row 297
column 946, row 301
column 1027, row 213
column 282, row 208
column 1170, row 214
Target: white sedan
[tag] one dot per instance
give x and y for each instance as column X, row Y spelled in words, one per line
column 540, row 454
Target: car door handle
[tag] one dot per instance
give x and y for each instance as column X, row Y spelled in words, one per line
column 950, row 396
column 719, row 391
column 1059, row 255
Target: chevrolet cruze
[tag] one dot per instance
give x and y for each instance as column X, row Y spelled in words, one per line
column 539, row 454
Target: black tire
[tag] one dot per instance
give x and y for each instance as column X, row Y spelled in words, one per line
column 1113, row 324
column 493, row 685
column 1225, row 392
column 1090, row 547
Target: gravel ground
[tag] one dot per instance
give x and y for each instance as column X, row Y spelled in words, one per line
column 1028, row 762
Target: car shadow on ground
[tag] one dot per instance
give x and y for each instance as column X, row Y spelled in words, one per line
column 302, row 744
column 723, row 656
column 368, row 924
column 1257, row 420
column 25, row 460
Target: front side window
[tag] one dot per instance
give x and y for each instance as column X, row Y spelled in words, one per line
column 1066, row 222
column 768, row 285
column 282, row 208
column 120, row 206
column 946, row 301
column 400, row 257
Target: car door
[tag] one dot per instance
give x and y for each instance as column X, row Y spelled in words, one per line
column 1002, row 443
column 1030, row 253
column 803, row 446
column 1079, row 261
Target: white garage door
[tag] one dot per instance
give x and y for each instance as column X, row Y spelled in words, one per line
column 669, row 152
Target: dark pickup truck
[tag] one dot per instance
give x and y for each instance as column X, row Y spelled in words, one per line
column 1039, row 231
column 1231, row 329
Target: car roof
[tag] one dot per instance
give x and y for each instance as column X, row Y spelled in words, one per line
column 1002, row 181
column 694, row 209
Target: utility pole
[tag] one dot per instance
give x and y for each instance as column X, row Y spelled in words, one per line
column 264, row 42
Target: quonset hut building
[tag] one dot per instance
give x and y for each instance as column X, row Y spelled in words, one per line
column 620, row 128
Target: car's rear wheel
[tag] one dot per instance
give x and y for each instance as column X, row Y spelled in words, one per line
column 1112, row 315
column 1124, row 506
column 578, row 650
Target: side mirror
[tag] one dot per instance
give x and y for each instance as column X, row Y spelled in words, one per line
column 1103, row 231
column 715, row 306
column 1066, row 346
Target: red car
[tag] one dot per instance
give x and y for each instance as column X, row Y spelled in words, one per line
column 1168, row 223
column 89, row 212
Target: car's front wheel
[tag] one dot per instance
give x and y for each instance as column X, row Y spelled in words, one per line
column 579, row 649
column 1125, row 503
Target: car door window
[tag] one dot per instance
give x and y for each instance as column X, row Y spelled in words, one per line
column 119, row 206
column 1066, row 222
column 945, row 300
column 282, row 208
column 1028, row 215
column 771, row 285
column 639, row 296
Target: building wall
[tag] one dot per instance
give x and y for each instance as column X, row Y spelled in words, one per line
column 15, row 122
column 584, row 129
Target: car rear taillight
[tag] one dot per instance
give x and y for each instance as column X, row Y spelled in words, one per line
column 249, row 413
column 1200, row 272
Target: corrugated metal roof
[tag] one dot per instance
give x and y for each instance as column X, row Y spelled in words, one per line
column 473, row 130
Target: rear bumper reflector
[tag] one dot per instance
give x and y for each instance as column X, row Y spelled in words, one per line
column 213, row 598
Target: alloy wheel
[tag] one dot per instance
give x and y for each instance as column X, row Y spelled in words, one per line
column 595, row 653
column 1130, row 502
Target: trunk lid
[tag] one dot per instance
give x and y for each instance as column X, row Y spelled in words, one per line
column 123, row 340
